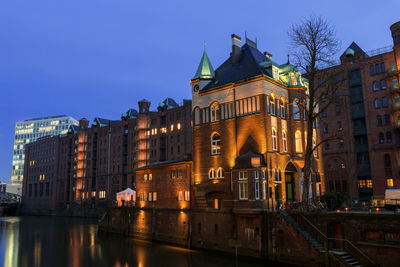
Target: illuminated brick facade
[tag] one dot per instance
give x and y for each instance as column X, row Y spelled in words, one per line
column 364, row 160
column 245, row 127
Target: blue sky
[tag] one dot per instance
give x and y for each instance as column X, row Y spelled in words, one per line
column 87, row 58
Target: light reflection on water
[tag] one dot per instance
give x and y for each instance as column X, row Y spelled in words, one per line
column 46, row 241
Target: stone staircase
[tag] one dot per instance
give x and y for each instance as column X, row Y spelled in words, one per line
column 345, row 258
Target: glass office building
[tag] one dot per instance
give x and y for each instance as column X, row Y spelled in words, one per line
column 29, row 131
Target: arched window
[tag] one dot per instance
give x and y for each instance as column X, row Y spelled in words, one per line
column 375, row 86
column 284, row 141
column 381, row 138
column 296, row 110
column 272, row 105
column 388, row 163
column 274, row 139
column 215, row 112
column 377, row 103
column 314, row 144
column 220, row 173
column 215, row 144
column 388, row 137
column 298, row 142
column 211, row 173
column 196, row 116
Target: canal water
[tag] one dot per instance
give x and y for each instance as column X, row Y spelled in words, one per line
column 57, row 242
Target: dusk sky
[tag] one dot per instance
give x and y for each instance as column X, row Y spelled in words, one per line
column 88, row 58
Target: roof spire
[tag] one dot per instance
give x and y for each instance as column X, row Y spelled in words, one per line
column 205, row 69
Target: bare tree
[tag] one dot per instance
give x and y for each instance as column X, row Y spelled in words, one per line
column 313, row 44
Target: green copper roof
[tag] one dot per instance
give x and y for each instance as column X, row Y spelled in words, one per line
column 205, row 69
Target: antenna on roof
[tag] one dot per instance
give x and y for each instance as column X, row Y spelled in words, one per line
column 288, row 59
column 245, row 35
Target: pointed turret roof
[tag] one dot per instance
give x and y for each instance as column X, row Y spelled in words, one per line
column 205, row 69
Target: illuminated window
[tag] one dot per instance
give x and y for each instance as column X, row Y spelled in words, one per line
column 172, row 127
column 274, row 139
column 243, row 175
column 220, row 173
column 215, row 112
column 150, row 196
column 173, row 174
column 150, row 177
column 187, row 195
column 215, row 144
column 163, row 130
column 282, row 110
column 296, row 110
column 211, row 173
column 298, row 141
column 284, row 141
column 102, row 194
column 178, row 126
column 154, row 196
column 145, row 177
column 216, row 203
column 180, row 196
column 389, row 182
column 365, row 183
column 243, row 190
column 94, row 194
column 264, row 189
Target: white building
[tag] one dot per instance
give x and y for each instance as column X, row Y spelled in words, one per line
column 29, row 131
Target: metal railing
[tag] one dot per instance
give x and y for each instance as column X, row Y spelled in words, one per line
column 348, row 246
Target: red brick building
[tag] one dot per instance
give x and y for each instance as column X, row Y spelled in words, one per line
column 249, row 132
column 364, row 160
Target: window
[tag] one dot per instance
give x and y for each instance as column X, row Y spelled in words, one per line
column 371, row 70
column 314, row 143
column 256, row 175
column 384, row 102
column 389, row 182
column 178, row 126
column 296, row 110
column 377, row 103
column 284, row 141
column 383, row 84
column 323, row 97
column 196, row 116
column 375, row 86
column 272, row 106
column 211, row 173
column 243, row 175
column 274, row 139
column 154, row 196
column 187, row 195
column 381, row 138
column 216, row 203
column 256, row 190
column 324, row 113
column 388, row 163
column 282, row 110
column 298, row 141
column 365, row 183
column 387, row 119
column 173, row 174
column 325, row 128
column 378, row 120
column 395, row 84
column 337, row 109
column 264, row 189
column 150, row 198
column 180, row 196
column 388, row 137
column 243, row 190
column 377, row 69
column 382, row 67
column 326, row 145
column 339, row 126
column 215, row 112
column 102, row 194
column 220, row 173
column 215, row 144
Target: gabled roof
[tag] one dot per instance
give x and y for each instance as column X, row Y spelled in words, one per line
column 205, row 69
column 251, row 62
column 131, row 113
column 101, row 122
column 169, row 103
column 353, row 46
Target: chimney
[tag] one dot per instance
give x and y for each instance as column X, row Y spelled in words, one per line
column 236, row 47
column 268, row 55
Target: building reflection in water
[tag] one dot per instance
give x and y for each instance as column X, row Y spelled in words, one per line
column 44, row 241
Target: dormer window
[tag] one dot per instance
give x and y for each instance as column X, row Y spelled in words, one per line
column 275, row 73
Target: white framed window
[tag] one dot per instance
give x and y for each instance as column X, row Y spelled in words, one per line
column 211, row 173
column 272, row 106
column 274, row 139
column 243, row 190
column 256, row 176
column 220, row 173
column 298, row 142
column 296, row 110
column 256, row 191
column 243, row 175
column 215, row 112
column 187, row 195
column 284, row 141
column 180, row 196
column 215, row 144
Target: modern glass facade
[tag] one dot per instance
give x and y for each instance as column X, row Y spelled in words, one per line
column 29, row 131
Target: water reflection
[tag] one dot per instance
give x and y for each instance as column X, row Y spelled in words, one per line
column 44, row 241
